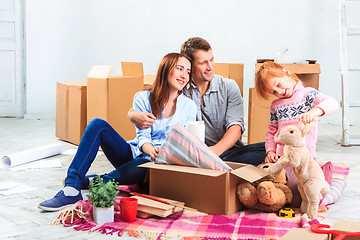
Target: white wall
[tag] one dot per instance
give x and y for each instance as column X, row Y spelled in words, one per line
column 66, row 37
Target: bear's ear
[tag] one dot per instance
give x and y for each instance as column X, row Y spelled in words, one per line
column 306, row 128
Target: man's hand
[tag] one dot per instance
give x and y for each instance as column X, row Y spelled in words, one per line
column 141, row 119
column 216, row 150
column 231, row 136
column 271, row 157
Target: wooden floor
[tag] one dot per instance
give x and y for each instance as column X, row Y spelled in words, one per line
column 20, row 217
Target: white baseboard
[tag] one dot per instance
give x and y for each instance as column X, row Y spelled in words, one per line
column 39, row 116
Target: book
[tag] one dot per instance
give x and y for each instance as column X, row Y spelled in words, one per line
column 148, row 207
column 152, row 207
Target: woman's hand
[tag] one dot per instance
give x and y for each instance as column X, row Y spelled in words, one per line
column 271, row 157
column 154, row 153
column 150, row 150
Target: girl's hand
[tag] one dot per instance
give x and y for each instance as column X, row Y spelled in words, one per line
column 271, row 157
column 310, row 116
column 154, row 153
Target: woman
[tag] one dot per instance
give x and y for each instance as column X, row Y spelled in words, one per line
column 164, row 101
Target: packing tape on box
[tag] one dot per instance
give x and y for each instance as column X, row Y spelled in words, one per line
column 31, row 155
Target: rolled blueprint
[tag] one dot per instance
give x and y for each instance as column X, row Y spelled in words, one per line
column 31, row 155
column 197, row 128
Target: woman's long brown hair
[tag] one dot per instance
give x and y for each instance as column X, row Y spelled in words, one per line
column 159, row 93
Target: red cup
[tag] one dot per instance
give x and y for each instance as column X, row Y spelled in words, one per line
column 128, row 209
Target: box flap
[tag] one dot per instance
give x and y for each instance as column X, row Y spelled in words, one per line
column 311, row 61
column 132, row 68
column 303, row 68
column 100, row 71
column 80, row 84
column 184, row 169
column 297, row 68
column 250, row 173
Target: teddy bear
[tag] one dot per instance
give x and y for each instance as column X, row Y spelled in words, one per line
column 270, row 194
column 311, row 179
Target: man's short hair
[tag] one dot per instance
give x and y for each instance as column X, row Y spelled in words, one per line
column 192, row 44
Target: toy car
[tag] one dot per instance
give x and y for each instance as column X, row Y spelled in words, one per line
column 286, row 213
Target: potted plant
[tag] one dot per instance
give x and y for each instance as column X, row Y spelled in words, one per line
column 103, row 196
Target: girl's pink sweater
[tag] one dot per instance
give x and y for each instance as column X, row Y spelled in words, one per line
column 285, row 112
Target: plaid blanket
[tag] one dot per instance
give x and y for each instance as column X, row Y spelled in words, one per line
column 189, row 225
column 249, row 224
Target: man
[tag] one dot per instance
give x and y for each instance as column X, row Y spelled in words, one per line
column 220, row 104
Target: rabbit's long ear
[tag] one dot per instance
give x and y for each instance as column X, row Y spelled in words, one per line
column 306, row 128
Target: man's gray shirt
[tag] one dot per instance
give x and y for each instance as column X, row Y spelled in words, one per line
column 223, row 108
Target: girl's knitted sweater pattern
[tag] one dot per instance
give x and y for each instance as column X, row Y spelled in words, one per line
column 285, row 112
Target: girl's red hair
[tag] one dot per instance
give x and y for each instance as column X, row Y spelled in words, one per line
column 269, row 70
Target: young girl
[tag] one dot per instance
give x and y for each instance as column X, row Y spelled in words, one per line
column 165, row 101
column 295, row 103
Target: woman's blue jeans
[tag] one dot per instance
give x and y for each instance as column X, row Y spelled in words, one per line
column 99, row 133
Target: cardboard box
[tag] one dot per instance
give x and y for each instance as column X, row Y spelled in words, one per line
column 303, row 234
column 341, row 225
column 111, row 97
column 259, row 109
column 308, row 73
column 136, row 69
column 258, row 117
column 233, row 71
column 71, row 111
column 210, row 191
column 148, row 81
column 347, row 226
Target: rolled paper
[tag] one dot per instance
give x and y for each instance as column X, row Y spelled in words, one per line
column 31, row 155
column 197, row 128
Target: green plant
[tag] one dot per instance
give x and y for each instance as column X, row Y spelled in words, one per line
column 102, row 194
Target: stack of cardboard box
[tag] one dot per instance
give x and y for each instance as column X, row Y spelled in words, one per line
column 70, row 111
column 103, row 96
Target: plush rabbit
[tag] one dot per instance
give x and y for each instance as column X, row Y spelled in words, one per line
column 311, row 180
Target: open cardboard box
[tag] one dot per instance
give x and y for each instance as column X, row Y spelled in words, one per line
column 71, row 111
column 111, row 97
column 259, row 109
column 341, row 225
column 209, row 191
